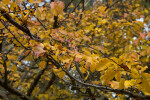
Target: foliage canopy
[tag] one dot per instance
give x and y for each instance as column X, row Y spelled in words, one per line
column 56, row 50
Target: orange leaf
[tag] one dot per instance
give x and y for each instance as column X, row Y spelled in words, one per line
column 142, row 35
column 27, row 52
column 148, row 34
column 136, row 42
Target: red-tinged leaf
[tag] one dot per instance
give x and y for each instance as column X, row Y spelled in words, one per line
column 69, row 51
column 52, row 66
column 27, row 37
column 69, row 40
column 57, row 7
column 142, row 16
column 27, row 52
column 71, row 34
column 61, row 39
column 125, row 67
column 68, row 65
column 125, row 15
column 133, row 13
column 63, row 32
column 37, row 23
column 87, row 38
column 143, row 35
column 134, row 55
column 71, row 45
column 144, row 52
column 148, row 34
column 148, row 50
column 60, row 3
column 38, row 49
column 77, row 59
column 60, row 47
column 136, row 42
column 53, row 4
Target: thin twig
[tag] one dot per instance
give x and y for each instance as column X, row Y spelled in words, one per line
column 41, row 23
column 65, row 9
column 112, row 5
column 15, row 37
column 12, row 21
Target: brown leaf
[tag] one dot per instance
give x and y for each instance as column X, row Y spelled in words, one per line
column 125, row 67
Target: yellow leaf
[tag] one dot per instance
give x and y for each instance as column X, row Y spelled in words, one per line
column 86, row 77
column 108, row 75
column 54, row 12
column 42, row 65
column 66, row 61
column 37, row 13
column 134, row 73
column 30, row 1
column 74, row 68
column 102, row 64
column 145, row 83
column 83, row 70
column 16, row 75
column 86, row 51
column 59, row 72
column 12, row 57
column 1, row 69
column 6, row 1
column 118, row 76
column 25, row 17
column 137, row 5
column 121, row 84
column 8, row 63
column 13, row 5
column 14, row 68
column 129, row 83
column 1, row 26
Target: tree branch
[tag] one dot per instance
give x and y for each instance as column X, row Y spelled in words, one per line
column 14, row 91
column 105, row 88
column 15, row 37
column 112, row 5
column 65, row 9
column 48, row 84
column 12, row 21
column 36, row 80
